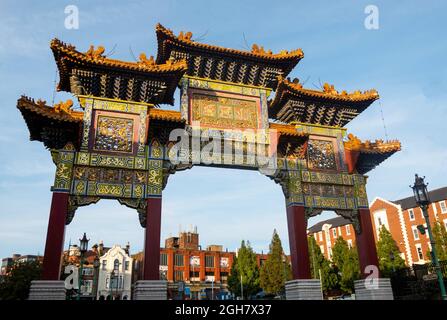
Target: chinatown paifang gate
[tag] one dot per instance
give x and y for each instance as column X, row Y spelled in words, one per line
column 119, row 145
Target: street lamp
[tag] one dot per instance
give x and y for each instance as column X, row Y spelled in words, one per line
column 83, row 245
column 423, row 200
column 95, row 276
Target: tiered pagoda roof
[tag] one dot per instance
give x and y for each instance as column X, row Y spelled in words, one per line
column 57, row 125
column 92, row 73
column 370, row 154
column 54, row 126
column 257, row 67
column 293, row 103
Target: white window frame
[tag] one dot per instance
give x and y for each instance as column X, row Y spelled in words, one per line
column 411, row 214
column 445, row 224
column 443, row 209
column 350, row 244
column 415, row 232
column 334, row 233
column 348, row 229
column 339, row 231
column 322, row 249
column 320, row 235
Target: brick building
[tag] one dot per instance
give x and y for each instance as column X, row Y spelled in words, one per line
column 400, row 217
column 200, row 271
column 9, row 262
column 326, row 233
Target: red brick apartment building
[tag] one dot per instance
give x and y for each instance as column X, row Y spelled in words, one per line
column 183, row 260
column 400, row 217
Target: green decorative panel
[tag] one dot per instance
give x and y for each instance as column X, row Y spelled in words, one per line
column 64, row 169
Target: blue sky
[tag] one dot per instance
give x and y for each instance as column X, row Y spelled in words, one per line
column 404, row 60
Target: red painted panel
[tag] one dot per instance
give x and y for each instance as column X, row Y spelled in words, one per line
column 299, row 252
column 152, row 239
column 366, row 246
column 55, row 237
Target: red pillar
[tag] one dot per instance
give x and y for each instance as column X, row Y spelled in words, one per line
column 55, row 237
column 351, row 160
column 152, row 240
column 299, row 252
column 366, row 245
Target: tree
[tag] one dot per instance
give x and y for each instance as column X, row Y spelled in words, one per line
column 388, row 253
column 17, row 283
column 320, row 265
column 276, row 269
column 245, row 267
column 440, row 237
column 347, row 261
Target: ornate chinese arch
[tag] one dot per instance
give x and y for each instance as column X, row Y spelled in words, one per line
column 120, row 145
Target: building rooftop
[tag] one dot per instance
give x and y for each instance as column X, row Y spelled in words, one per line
column 334, row 222
column 435, row 196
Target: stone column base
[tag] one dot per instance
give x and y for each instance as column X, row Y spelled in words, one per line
column 47, row 290
column 304, row 289
column 368, row 290
column 151, row 290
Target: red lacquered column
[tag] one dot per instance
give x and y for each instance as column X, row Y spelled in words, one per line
column 366, row 245
column 299, row 252
column 55, row 237
column 152, row 240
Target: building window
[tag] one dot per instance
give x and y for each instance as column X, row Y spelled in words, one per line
column 194, row 274
column 104, row 264
column 163, row 259
column 443, row 207
column 445, row 223
column 339, row 231
column 178, row 260
column 209, row 261
column 415, row 232
column 348, row 229
column 320, row 235
column 411, row 214
column 178, row 275
column 420, row 254
column 322, row 249
column 126, row 265
column 334, row 232
column 350, row 244
column 116, row 265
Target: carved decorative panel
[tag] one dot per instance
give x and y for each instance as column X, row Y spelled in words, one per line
column 224, row 111
column 321, row 155
column 114, row 134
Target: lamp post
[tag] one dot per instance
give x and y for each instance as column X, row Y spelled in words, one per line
column 83, row 249
column 422, row 199
column 95, row 277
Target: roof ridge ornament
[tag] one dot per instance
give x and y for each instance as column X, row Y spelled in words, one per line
column 355, row 144
column 95, row 54
column 145, row 61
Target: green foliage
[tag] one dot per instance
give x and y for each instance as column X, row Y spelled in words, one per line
column 388, row 254
column 347, row 261
column 440, row 237
column 17, row 283
column 319, row 264
column 276, row 269
column 244, row 265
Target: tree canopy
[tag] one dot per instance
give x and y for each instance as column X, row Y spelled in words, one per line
column 245, row 268
column 320, row 265
column 388, row 253
column 276, row 269
column 347, row 261
column 16, row 284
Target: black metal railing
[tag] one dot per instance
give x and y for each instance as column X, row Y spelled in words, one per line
column 418, row 282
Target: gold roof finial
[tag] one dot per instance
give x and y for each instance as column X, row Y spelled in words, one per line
column 95, row 54
column 63, row 106
column 144, row 60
